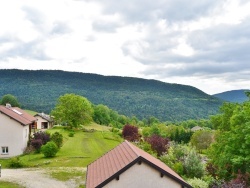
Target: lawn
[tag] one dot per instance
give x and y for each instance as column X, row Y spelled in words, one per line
column 5, row 184
column 77, row 151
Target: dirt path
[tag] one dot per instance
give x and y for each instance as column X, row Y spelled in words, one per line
column 34, row 178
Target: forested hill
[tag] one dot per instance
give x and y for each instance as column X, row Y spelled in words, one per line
column 233, row 96
column 39, row 90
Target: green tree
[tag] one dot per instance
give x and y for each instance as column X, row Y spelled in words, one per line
column 102, row 114
column 73, row 110
column 202, row 139
column 232, row 141
column 12, row 100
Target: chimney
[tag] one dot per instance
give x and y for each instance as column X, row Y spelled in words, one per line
column 8, row 105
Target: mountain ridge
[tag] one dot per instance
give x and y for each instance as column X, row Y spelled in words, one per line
column 233, row 95
column 39, row 90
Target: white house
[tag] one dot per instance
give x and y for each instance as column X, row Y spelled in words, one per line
column 15, row 126
column 128, row 166
column 44, row 121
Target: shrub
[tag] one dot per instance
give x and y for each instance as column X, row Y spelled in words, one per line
column 39, row 138
column 57, row 138
column 197, row 183
column 45, row 137
column 193, row 166
column 15, row 162
column 71, row 134
column 50, row 149
column 130, row 133
column 36, row 144
column 158, row 144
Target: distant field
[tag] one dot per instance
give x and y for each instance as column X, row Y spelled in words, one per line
column 31, row 112
column 77, row 151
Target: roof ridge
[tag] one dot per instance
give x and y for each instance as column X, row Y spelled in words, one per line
column 131, row 147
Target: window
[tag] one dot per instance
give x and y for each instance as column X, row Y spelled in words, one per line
column 5, row 150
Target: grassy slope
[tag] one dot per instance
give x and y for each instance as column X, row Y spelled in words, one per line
column 77, row 151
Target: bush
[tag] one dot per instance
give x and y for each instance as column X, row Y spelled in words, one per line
column 71, row 134
column 39, row 138
column 197, row 183
column 50, row 149
column 36, row 144
column 45, row 137
column 57, row 138
column 130, row 133
column 193, row 166
column 158, row 144
column 15, row 163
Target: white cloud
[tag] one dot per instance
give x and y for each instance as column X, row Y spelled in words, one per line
column 204, row 44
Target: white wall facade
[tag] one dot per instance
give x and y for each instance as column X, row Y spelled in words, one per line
column 40, row 120
column 12, row 135
column 143, row 176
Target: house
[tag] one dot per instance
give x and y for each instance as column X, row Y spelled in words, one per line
column 128, row 166
column 15, row 126
column 44, row 121
column 196, row 128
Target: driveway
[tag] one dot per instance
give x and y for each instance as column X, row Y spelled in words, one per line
column 34, row 178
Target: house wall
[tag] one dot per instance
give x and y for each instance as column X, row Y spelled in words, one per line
column 12, row 135
column 142, row 176
column 39, row 122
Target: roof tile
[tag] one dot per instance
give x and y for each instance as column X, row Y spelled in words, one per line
column 18, row 114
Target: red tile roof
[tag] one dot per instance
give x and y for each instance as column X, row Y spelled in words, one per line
column 18, row 114
column 116, row 161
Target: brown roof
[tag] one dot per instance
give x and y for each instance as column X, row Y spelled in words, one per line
column 18, row 114
column 122, row 157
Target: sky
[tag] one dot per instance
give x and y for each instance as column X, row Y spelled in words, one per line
column 204, row 43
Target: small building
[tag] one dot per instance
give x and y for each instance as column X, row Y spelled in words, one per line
column 128, row 166
column 44, row 121
column 196, row 128
column 15, row 129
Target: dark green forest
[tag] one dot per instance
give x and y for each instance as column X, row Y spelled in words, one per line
column 38, row 90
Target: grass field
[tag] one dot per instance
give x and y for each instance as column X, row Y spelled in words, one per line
column 77, row 151
column 4, row 184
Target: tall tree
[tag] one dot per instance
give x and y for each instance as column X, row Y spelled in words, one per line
column 102, row 114
column 12, row 100
column 73, row 110
column 232, row 141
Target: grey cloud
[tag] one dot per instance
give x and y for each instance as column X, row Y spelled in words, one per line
column 105, row 26
column 201, row 69
column 171, row 10
column 223, row 43
column 60, row 28
column 31, row 50
column 33, row 15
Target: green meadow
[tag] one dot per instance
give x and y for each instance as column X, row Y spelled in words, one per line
column 85, row 146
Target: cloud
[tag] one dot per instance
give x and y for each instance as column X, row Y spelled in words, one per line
column 171, row 10
column 189, row 42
